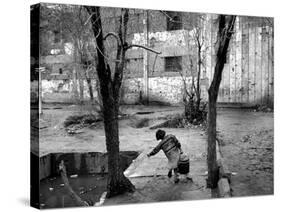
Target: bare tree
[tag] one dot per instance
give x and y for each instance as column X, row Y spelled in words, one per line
column 199, row 42
column 110, row 84
column 192, row 94
column 194, row 112
column 225, row 31
column 69, row 24
column 74, row 19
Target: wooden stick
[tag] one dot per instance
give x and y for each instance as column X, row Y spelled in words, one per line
column 71, row 192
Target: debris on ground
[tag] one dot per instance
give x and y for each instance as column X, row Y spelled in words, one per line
column 178, row 121
column 140, row 123
column 263, row 108
column 246, row 138
column 74, row 132
column 75, row 123
column 85, row 119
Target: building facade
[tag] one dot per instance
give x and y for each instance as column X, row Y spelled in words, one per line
column 248, row 75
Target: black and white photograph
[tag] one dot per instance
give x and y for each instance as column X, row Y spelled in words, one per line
column 132, row 105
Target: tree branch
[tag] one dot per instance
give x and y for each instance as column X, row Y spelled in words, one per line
column 120, row 55
column 71, row 192
column 88, row 19
column 185, row 84
column 103, row 70
column 114, row 35
column 143, row 47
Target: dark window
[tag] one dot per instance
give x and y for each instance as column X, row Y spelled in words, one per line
column 173, row 64
column 174, row 21
column 60, row 70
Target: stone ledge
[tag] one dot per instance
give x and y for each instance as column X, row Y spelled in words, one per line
column 223, row 170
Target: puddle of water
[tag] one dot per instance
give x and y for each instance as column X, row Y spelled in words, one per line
column 89, row 187
column 53, row 193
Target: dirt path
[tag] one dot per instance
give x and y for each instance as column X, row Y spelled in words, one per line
column 247, row 146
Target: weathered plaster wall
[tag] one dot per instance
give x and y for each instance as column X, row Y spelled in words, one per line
column 63, row 91
column 167, row 90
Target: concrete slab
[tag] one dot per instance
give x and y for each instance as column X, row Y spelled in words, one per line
column 147, row 167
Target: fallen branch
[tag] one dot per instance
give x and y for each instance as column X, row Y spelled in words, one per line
column 71, row 192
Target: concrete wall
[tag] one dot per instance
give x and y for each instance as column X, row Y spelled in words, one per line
column 80, row 163
column 167, row 90
column 63, row 91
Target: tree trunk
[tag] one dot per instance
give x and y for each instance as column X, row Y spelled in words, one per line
column 90, row 87
column 213, row 175
column 81, row 89
column 74, row 86
column 198, row 92
column 225, row 32
column 117, row 182
column 72, row 194
column 89, row 83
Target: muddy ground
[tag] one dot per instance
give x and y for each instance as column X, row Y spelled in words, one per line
column 246, row 140
column 247, row 145
column 134, row 133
